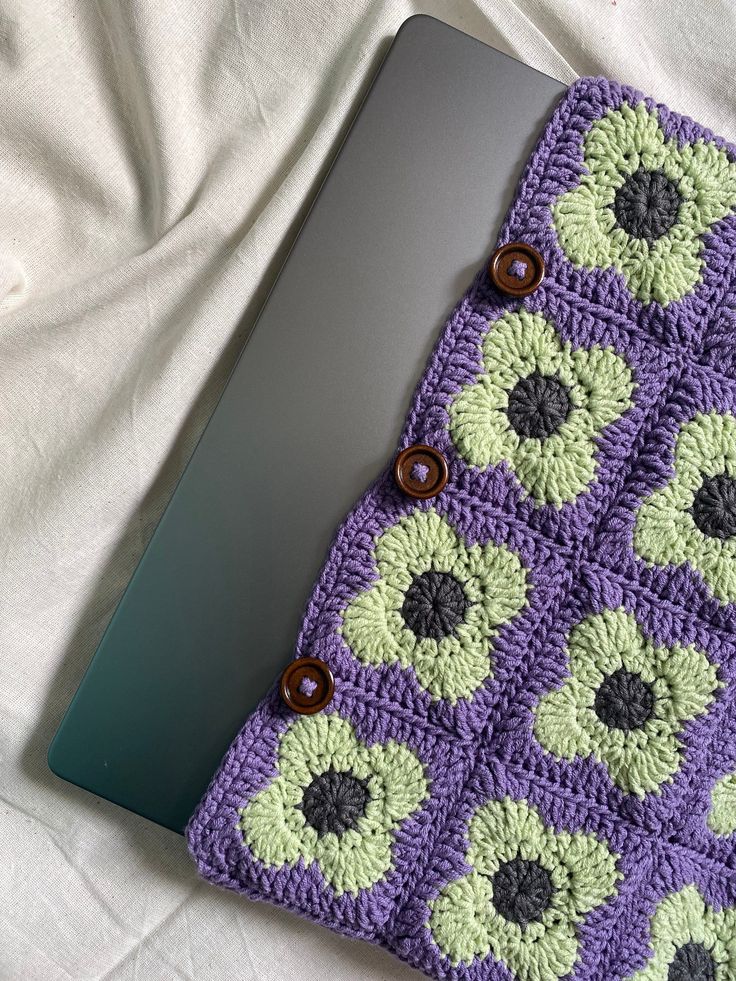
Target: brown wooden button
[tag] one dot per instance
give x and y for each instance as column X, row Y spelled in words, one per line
column 307, row 685
column 516, row 269
column 420, row 471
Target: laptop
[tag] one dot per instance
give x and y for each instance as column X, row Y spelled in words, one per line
column 310, row 416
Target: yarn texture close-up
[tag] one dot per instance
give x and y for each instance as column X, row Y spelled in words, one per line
column 528, row 766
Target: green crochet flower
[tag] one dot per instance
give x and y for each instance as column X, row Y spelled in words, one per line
column 539, row 406
column 335, row 801
column 693, row 518
column 529, row 888
column 644, row 204
column 625, row 701
column 436, row 606
column 690, row 941
column 722, row 816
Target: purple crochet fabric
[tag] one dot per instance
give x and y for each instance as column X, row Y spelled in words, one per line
column 528, row 766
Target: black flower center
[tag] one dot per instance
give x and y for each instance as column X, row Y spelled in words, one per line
column 434, row 605
column 522, row 891
column 714, row 506
column 692, row 962
column 334, row 801
column 624, row 701
column 538, row 405
column 646, row 205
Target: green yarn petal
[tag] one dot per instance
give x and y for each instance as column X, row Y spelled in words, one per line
column 708, row 182
column 665, row 532
column 373, row 627
column 590, row 873
column 557, row 468
column 353, row 861
column 722, row 814
column 644, row 755
column 639, row 762
column 494, row 584
column 497, row 582
column 479, row 425
column 498, row 830
column 274, row 829
column 459, row 920
column 455, row 667
column 538, row 953
column 690, row 680
column 584, row 226
column 718, row 569
column 624, row 141
column 640, row 658
column 706, row 445
column 665, row 528
column 561, row 721
column 314, row 743
column 607, row 382
column 672, row 269
column 596, row 645
column 416, row 543
column 554, row 470
column 519, row 343
column 400, row 783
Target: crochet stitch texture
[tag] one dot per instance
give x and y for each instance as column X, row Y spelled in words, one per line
column 528, row 767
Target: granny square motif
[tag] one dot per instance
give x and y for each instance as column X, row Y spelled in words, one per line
column 506, row 747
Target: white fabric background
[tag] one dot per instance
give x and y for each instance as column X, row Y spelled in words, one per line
column 155, row 161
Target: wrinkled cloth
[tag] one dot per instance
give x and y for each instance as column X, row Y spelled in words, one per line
column 156, row 161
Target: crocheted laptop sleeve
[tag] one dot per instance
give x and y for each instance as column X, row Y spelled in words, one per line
column 512, row 751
